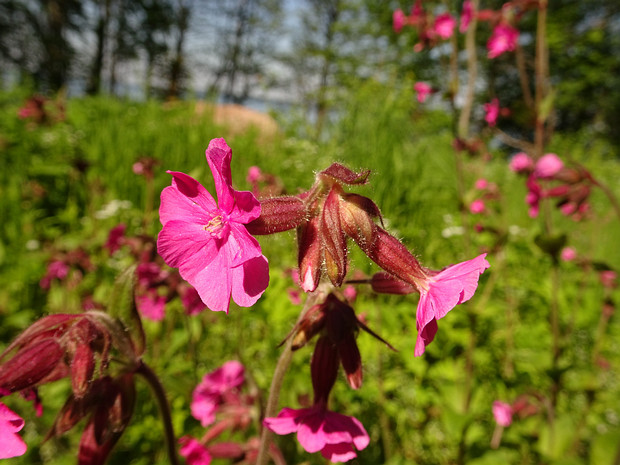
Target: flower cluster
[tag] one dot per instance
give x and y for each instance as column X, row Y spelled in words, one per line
column 549, row 177
column 213, row 246
column 219, row 403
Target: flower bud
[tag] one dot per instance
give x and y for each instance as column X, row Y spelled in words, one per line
column 351, row 360
column 82, row 369
column 30, row 365
column 356, row 215
column 333, row 239
column 310, row 325
column 309, row 255
column 278, row 214
column 324, row 368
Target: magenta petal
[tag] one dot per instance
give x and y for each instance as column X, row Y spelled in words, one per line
column 467, row 274
column 249, row 281
column 203, row 409
column 219, row 155
column 151, row 305
column 286, row 422
column 247, row 207
column 11, row 445
column 214, row 283
column 350, row 427
column 425, row 337
column 185, row 200
column 186, row 246
column 342, row 452
column 241, row 245
column 310, row 433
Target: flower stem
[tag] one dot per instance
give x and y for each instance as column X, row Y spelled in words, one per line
column 164, row 408
column 276, row 382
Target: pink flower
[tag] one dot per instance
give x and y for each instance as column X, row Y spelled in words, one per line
column 115, row 238
column 491, row 111
column 151, row 305
column 503, row 39
column 423, row 90
column 441, row 293
column 608, row 278
column 568, row 254
column 208, row 395
column 56, row 269
column 194, row 452
column 502, row 412
column 467, row 15
column 521, row 162
column 444, row 25
column 318, row 429
column 11, row 445
column 398, row 20
column 477, row 206
column 548, row 166
column 208, row 242
column 481, row 184
column 254, row 175
column 191, row 301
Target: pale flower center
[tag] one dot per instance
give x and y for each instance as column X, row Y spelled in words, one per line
column 216, row 226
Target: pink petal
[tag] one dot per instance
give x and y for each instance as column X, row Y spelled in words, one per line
column 353, row 428
column 548, row 166
column 213, row 282
column 425, row 337
column 287, row 420
column 241, row 245
column 186, row 199
column 186, row 246
column 246, row 208
column 502, row 413
column 11, row 445
column 219, row 156
column 249, row 281
column 338, row 452
column 203, row 409
column 310, row 432
column 151, row 305
column 467, row 274
column 194, row 452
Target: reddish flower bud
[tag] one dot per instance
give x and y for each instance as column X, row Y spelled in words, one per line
column 30, row 365
column 342, row 174
column 310, row 255
column 351, row 360
column 333, row 239
column 324, row 368
column 82, row 368
column 310, row 325
column 385, row 283
column 357, row 215
column 278, row 214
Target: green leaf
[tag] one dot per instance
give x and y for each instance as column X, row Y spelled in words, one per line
column 122, row 306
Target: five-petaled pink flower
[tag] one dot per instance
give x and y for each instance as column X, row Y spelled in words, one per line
column 444, row 25
column 503, row 39
column 210, row 391
column 423, row 90
column 319, row 429
column 398, row 20
column 441, row 293
column 502, row 412
column 491, row 111
column 11, row 445
column 208, row 241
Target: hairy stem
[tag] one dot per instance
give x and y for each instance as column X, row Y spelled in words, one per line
column 276, row 382
column 164, row 408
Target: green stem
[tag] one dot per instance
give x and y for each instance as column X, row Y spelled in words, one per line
column 278, row 377
column 164, row 408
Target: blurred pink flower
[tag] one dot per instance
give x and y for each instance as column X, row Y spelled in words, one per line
column 398, row 20
column 568, row 254
column 491, row 110
column 423, row 90
column 521, row 162
column 335, row 435
column 503, row 39
column 477, row 206
column 115, row 238
column 467, row 14
column 502, row 412
column 444, row 25
column 441, row 293
column 208, row 242
column 608, row 278
column 208, row 395
column 151, row 305
column 254, row 174
column 11, row 444
column 191, row 301
column 548, row 166
column 56, row 269
column 193, row 451
column 481, row 184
